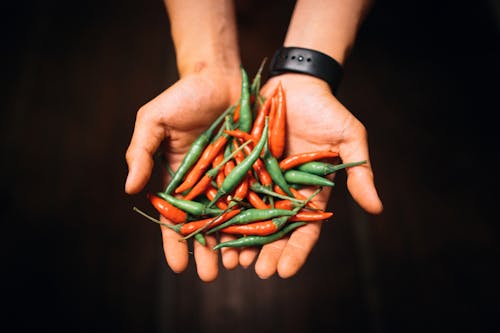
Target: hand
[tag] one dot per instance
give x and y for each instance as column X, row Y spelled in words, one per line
column 315, row 121
column 176, row 118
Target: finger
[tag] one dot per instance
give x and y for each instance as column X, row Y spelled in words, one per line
column 298, row 248
column 176, row 250
column 268, row 259
column 206, row 259
column 147, row 137
column 248, row 255
column 360, row 178
column 229, row 255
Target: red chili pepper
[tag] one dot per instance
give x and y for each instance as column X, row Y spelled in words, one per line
column 167, row 210
column 277, row 128
column 210, row 193
column 241, row 191
column 301, row 158
column 190, row 227
column 236, row 114
column 260, row 119
column 255, row 200
column 311, row 216
column 199, row 188
column 283, row 204
column 236, row 133
column 261, row 228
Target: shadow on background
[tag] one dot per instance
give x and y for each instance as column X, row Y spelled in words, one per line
column 423, row 78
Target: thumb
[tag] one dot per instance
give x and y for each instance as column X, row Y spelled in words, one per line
column 360, row 181
column 148, row 134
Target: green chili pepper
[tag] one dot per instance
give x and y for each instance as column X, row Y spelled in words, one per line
column 304, row 178
column 201, row 239
column 194, row 152
column 254, row 214
column 255, row 86
column 259, row 188
column 245, row 121
column 259, row 240
column 191, row 207
column 272, row 166
column 323, row 169
column 236, row 175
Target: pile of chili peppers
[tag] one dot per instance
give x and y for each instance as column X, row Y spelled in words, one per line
column 234, row 178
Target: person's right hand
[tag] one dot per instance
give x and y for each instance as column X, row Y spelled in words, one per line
column 176, row 118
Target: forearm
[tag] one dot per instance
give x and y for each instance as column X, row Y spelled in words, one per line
column 204, row 34
column 329, row 26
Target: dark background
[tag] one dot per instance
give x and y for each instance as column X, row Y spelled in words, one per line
column 423, row 78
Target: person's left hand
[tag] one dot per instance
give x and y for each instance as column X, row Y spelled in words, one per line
column 316, row 121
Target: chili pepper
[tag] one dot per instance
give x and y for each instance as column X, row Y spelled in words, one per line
column 203, row 184
column 189, row 229
column 297, row 195
column 259, row 240
column 311, row 216
column 277, row 128
column 258, row 188
column 261, row 228
column 301, row 158
column 304, row 178
column 255, row 200
column 258, row 124
column 236, row 113
column 272, row 108
column 240, row 192
column 323, row 169
column 236, row 133
column 260, row 169
column 189, row 206
column 240, row 170
column 274, row 170
column 167, row 210
column 264, row 227
column 255, row 86
column 210, row 193
column 284, row 204
column 203, row 163
column 252, row 215
column 194, row 152
column 245, row 120
column 201, row 239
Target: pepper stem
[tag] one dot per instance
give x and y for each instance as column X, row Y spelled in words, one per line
column 175, row 228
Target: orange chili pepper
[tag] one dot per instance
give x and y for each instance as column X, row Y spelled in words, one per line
column 260, row 119
column 297, row 195
column 255, row 200
column 167, row 210
column 311, row 216
column 301, row 158
column 277, row 128
column 190, row 227
column 236, row 114
column 283, row 204
column 210, row 193
column 239, row 134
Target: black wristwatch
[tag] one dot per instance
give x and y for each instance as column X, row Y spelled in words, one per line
column 307, row 61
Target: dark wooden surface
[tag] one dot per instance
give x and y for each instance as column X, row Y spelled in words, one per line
column 423, row 78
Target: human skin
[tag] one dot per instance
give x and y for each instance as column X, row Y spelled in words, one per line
column 209, row 81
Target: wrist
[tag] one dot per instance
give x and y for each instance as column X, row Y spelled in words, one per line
column 309, row 62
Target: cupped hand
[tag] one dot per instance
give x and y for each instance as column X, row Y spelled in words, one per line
column 173, row 120
column 316, row 121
